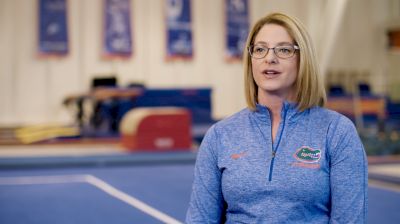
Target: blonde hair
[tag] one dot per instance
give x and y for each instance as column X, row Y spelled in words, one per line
column 309, row 88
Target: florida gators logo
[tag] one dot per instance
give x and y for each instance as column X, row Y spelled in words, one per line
column 306, row 154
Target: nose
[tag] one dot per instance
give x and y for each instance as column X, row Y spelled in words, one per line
column 271, row 58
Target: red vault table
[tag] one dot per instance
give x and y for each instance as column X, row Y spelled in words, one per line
column 156, row 128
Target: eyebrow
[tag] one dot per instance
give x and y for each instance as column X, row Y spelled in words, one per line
column 278, row 44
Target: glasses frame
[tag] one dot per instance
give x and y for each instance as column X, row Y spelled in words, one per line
column 296, row 48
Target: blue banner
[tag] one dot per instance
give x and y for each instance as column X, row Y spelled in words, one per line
column 53, row 32
column 179, row 29
column 117, row 28
column 237, row 27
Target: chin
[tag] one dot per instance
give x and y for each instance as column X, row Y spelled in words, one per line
column 271, row 88
column 275, row 90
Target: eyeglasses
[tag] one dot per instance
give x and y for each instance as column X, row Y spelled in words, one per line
column 259, row 51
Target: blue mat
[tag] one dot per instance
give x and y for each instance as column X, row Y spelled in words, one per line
column 165, row 188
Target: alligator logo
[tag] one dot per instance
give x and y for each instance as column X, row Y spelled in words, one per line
column 306, row 154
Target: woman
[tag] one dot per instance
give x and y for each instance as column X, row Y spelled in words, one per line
column 284, row 159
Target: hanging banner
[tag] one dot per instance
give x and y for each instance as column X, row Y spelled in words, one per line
column 53, row 29
column 237, row 27
column 117, row 36
column 179, row 29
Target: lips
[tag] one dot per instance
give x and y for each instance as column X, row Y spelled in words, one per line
column 271, row 72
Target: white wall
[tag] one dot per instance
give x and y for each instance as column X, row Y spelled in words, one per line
column 360, row 46
column 32, row 89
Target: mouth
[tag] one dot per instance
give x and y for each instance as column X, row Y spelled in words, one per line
column 270, row 72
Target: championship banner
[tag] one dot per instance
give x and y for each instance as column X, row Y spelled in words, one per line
column 53, row 29
column 179, row 29
column 117, row 35
column 237, row 27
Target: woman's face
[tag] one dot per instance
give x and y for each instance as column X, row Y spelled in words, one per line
column 274, row 75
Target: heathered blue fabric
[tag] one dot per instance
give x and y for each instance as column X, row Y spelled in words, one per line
column 236, row 179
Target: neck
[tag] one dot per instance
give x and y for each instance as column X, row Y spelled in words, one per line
column 273, row 102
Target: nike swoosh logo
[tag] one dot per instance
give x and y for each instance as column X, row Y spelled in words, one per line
column 238, row 155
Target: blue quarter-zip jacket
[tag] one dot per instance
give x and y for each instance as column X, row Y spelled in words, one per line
column 315, row 171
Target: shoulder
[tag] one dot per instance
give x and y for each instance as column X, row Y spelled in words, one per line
column 223, row 129
column 235, row 120
column 229, row 125
column 332, row 118
column 340, row 133
column 330, row 125
column 325, row 114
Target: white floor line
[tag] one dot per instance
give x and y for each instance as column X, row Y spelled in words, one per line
column 131, row 200
column 100, row 184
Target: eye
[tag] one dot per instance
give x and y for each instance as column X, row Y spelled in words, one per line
column 284, row 50
column 258, row 50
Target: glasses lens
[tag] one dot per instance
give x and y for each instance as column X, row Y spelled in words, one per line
column 284, row 51
column 258, row 51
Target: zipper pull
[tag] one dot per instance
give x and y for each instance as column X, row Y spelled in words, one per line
column 273, row 154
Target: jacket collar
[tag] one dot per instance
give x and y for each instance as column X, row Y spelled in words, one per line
column 289, row 112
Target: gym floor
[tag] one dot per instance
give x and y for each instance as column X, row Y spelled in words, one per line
column 104, row 184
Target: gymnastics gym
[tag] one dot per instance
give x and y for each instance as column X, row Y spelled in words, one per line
column 104, row 103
